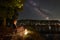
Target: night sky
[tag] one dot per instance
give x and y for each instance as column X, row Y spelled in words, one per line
column 40, row 10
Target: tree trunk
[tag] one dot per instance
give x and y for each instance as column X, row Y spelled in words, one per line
column 4, row 23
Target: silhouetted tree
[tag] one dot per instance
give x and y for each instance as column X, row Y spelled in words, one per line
column 9, row 8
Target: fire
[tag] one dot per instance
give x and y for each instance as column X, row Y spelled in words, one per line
column 22, row 31
column 26, row 32
column 15, row 22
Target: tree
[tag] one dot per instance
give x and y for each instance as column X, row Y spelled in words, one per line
column 9, row 8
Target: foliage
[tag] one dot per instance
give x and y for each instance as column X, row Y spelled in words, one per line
column 11, row 3
column 8, row 7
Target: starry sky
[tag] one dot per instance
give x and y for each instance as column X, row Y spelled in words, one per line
column 40, row 10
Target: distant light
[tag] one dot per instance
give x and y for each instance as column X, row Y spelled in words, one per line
column 47, row 18
column 49, row 27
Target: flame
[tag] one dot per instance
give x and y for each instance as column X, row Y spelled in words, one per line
column 26, row 32
column 15, row 22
